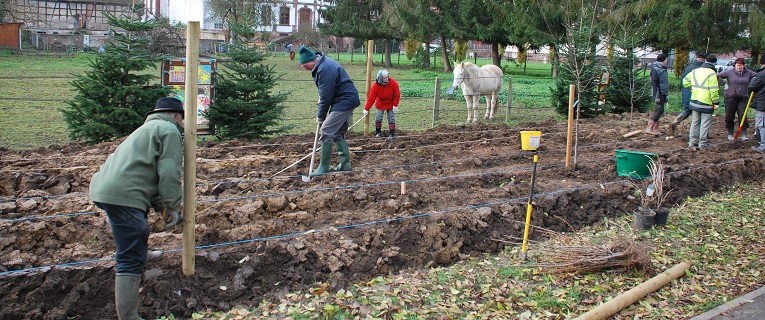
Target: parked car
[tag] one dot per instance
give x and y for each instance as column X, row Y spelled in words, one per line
column 724, row 64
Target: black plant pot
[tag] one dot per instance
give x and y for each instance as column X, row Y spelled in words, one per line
column 661, row 216
column 644, row 219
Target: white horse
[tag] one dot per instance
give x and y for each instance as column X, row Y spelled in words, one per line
column 476, row 82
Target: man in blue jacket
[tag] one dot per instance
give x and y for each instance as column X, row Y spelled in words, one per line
column 337, row 99
column 143, row 172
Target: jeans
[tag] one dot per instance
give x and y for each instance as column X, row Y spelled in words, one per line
column 759, row 126
column 391, row 116
column 335, row 126
column 735, row 104
column 131, row 235
column 699, row 133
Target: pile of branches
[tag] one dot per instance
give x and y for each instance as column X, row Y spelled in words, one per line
column 623, row 253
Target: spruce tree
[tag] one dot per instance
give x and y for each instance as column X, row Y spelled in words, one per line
column 113, row 97
column 244, row 106
column 628, row 91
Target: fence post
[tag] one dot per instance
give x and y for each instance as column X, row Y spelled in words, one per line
column 509, row 98
column 436, row 101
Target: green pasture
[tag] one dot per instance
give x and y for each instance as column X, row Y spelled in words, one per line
column 36, row 86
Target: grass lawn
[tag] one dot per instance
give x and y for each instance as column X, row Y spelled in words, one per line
column 35, row 87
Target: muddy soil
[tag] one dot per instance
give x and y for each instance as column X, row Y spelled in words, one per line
column 466, row 190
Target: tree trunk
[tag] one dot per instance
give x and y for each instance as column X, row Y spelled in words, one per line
column 495, row 58
column 388, row 63
column 445, row 55
column 426, row 56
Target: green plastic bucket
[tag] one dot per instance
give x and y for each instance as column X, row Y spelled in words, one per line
column 634, row 164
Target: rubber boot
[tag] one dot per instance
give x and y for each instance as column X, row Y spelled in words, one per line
column 656, row 131
column 649, row 127
column 126, row 295
column 326, row 157
column 345, row 156
column 378, row 129
column 671, row 128
column 391, row 134
column 730, row 135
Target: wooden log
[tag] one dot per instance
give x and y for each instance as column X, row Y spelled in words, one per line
column 620, row 302
column 632, row 133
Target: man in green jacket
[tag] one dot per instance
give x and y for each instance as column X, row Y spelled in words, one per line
column 143, row 172
column 705, row 99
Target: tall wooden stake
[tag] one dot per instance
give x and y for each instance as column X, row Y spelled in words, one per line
column 370, row 57
column 190, row 146
column 570, row 134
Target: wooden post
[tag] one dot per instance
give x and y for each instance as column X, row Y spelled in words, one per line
column 615, row 305
column 370, row 57
column 436, row 101
column 189, row 146
column 569, row 134
column 403, row 187
column 509, row 98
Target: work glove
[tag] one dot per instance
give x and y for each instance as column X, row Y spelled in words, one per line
column 716, row 107
column 658, row 100
column 366, row 113
column 171, row 217
column 395, row 109
column 319, row 120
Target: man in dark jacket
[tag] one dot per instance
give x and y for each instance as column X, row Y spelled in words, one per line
column 659, row 91
column 143, row 172
column 337, row 99
column 686, row 93
column 757, row 85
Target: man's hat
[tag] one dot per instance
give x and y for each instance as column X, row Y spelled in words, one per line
column 167, row 104
column 306, row 55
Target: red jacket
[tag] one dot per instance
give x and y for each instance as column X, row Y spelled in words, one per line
column 385, row 97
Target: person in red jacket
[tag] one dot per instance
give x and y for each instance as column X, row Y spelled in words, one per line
column 385, row 95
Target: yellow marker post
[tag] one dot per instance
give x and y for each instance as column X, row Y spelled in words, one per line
column 529, row 141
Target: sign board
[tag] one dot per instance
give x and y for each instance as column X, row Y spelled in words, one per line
column 174, row 77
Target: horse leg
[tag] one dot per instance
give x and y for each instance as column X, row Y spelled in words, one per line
column 488, row 114
column 476, row 103
column 469, row 102
column 494, row 102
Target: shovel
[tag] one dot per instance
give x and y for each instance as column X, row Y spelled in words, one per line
column 313, row 153
column 743, row 118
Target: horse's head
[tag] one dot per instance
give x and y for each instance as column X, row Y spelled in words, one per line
column 459, row 74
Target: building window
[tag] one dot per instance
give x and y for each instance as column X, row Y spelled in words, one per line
column 266, row 16
column 218, row 25
column 284, row 16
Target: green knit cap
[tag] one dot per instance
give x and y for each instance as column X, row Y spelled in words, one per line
column 306, row 55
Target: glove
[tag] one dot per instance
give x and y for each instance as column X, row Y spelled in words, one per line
column 319, row 120
column 171, row 217
column 658, row 100
column 716, row 107
column 366, row 113
column 395, row 109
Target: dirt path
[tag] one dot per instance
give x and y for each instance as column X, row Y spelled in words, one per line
column 467, row 188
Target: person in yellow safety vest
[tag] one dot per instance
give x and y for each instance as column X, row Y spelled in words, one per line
column 705, row 99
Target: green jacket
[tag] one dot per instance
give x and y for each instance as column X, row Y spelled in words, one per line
column 705, row 90
column 145, row 170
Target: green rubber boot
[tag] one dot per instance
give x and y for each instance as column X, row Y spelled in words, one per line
column 326, row 157
column 126, row 295
column 345, row 156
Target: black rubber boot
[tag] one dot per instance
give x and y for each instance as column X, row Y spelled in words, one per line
column 126, row 296
column 345, row 156
column 326, row 157
column 391, row 134
column 378, row 129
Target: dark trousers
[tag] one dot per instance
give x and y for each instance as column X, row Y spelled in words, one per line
column 735, row 104
column 131, row 235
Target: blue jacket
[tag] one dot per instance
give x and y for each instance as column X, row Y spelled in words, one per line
column 336, row 88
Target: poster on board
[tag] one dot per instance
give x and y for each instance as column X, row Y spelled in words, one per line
column 174, row 78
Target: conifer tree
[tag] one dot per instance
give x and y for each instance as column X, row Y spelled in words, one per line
column 113, row 97
column 244, row 106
